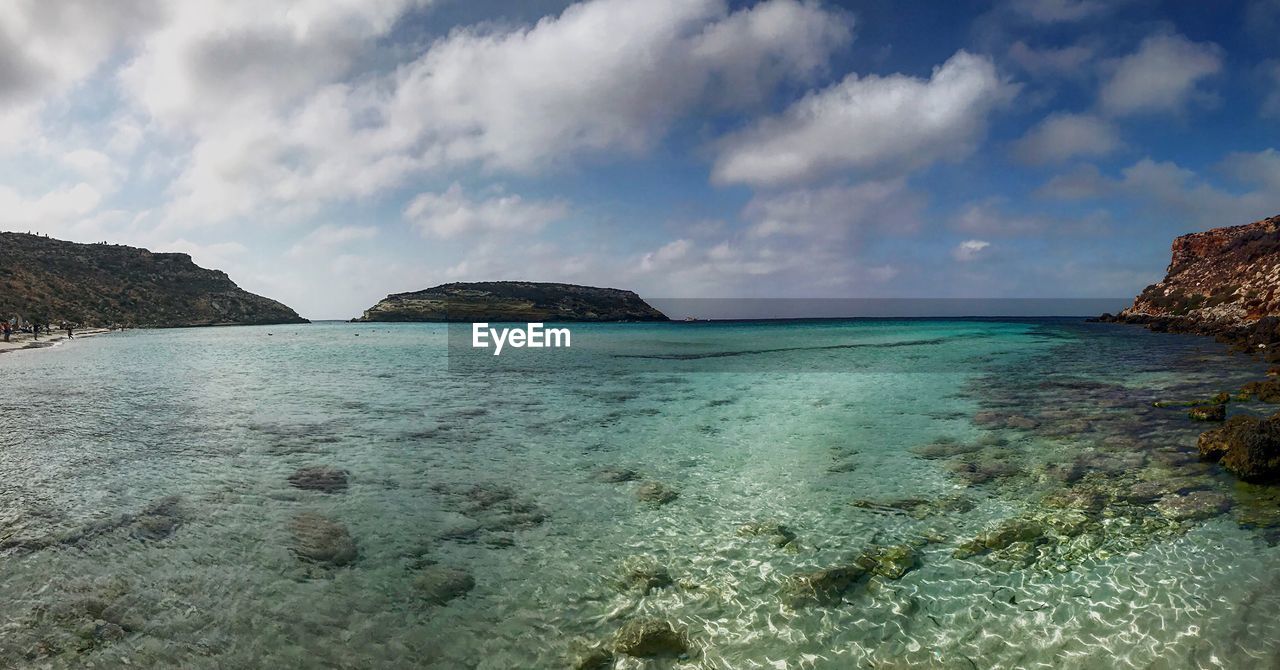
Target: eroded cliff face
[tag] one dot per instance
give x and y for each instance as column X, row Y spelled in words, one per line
column 1221, row 281
column 53, row 281
column 513, row 301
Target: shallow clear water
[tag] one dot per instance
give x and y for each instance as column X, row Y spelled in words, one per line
column 823, row 427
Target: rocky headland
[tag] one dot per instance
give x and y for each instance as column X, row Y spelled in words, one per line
column 512, row 301
column 52, row 281
column 1223, row 282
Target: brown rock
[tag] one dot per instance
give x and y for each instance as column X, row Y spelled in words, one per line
column 319, row 478
column 438, row 584
column 651, row 638
column 656, row 493
column 1208, row 413
column 1248, row 447
column 320, row 540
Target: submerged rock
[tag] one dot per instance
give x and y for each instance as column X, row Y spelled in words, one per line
column 891, row 562
column 494, row 508
column 1003, row 536
column 1257, row 506
column 656, row 493
column 779, row 535
column 1083, row 498
column 321, row 478
column 918, row 508
column 597, row 658
column 317, row 539
column 1208, row 413
column 615, row 475
column 1021, row 422
column 105, row 631
column 439, row 584
column 982, row 471
column 1142, row 493
column 1267, row 391
column 944, row 449
column 827, row 587
column 1194, row 506
column 643, row 573
column 651, row 638
column 158, row 520
column 1247, row 446
column 822, row 587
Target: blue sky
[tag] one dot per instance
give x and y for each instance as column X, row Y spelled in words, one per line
column 329, row 153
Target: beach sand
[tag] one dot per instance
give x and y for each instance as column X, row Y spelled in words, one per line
column 19, row 341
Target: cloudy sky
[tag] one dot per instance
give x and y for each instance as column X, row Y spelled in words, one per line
column 328, row 152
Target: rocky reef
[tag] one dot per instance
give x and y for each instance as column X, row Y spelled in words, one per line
column 50, row 280
column 1223, row 282
column 513, row 301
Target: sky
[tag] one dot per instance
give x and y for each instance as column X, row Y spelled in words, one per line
column 327, row 153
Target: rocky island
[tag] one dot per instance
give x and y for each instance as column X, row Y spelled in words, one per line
column 53, row 281
column 1223, row 282
column 513, row 301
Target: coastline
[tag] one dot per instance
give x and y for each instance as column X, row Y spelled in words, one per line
column 24, row 341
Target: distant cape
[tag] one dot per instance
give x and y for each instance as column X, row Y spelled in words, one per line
column 51, row 281
column 517, row 301
column 1223, row 282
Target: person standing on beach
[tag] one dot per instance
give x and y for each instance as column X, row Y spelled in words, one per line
column 69, row 335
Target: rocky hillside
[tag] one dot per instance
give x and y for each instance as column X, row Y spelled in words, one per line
column 1224, row 281
column 107, row 284
column 513, row 301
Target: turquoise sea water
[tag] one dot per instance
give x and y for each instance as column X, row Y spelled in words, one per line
column 148, row 519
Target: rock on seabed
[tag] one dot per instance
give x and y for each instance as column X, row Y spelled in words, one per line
column 321, row 540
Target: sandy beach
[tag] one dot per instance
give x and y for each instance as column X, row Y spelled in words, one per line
column 20, row 341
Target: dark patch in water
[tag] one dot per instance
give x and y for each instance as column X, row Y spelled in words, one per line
column 753, row 352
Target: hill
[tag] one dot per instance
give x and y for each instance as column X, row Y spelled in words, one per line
column 513, row 301
column 106, row 284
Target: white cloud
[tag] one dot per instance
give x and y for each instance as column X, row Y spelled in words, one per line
column 328, row 238
column 1270, row 72
column 50, row 46
column 293, row 128
column 1083, row 182
column 1261, row 168
column 666, row 255
column 211, row 60
column 835, row 211
column 892, row 123
column 606, row 75
column 1180, row 194
column 990, row 216
column 454, row 213
column 969, row 250
column 1161, row 76
column 1059, row 11
column 987, row 217
column 1063, row 136
column 48, row 211
column 1066, row 61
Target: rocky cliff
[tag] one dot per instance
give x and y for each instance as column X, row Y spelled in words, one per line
column 1224, row 281
column 106, row 284
column 513, row 301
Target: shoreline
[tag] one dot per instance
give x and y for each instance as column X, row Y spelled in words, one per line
column 24, row 341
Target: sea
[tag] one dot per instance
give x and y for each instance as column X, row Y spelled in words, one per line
column 863, row 493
